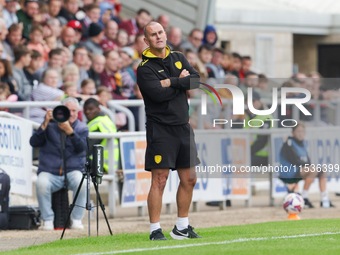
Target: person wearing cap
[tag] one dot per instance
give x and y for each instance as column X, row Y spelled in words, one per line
column 9, row 12
column 259, row 143
column 75, row 24
column 96, row 35
column 25, row 16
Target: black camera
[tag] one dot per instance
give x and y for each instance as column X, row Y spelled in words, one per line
column 97, row 162
column 61, row 113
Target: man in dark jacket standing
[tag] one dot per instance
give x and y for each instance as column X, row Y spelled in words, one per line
column 164, row 78
column 50, row 173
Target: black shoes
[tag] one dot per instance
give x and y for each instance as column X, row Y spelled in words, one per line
column 157, row 235
column 308, row 204
column 183, row 234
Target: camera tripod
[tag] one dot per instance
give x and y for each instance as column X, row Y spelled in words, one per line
column 87, row 175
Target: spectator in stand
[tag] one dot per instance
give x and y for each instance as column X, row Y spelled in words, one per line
column 214, row 68
column 54, row 7
column 139, row 46
column 135, row 26
column 96, row 35
column 226, row 63
column 70, row 73
column 204, row 57
column 3, row 30
column 110, row 77
column 92, row 16
column 126, row 54
column 54, row 61
column 110, row 32
column 13, row 39
column 210, row 36
column 25, row 16
column 98, row 65
column 88, row 87
column 174, row 38
column 194, row 40
column 88, row 64
column 69, row 9
column 246, row 64
column 51, row 42
column 9, row 12
column 66, row 56
column 80, row 56
column 251, row 80
column 191, row 57
column 5, row 95
column 37, row 42
column 237, row 64
column 262, row 87
column 68, row 38
column 30, row 71
column 56, row 29
column 164, row 20
column 122, row 39
column 128, row 80
column 42, row 15
column 75, row 24
column 104, row 95
column 6, row 75
column 22, row 58
column 106, row 10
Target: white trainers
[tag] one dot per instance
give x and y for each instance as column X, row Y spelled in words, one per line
column 76, row 224
column 48, row 225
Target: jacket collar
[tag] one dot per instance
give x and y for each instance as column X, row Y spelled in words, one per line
column 147, row 53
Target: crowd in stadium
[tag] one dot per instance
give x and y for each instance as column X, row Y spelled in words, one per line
column 54, row 49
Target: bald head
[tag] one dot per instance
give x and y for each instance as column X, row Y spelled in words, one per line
column 155, row 36
column 175, row 36
column 164, row 20
column 152, row 23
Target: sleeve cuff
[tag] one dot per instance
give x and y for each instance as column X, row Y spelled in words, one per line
column 174, row 82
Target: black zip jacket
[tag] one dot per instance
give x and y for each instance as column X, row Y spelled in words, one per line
column 169, row 105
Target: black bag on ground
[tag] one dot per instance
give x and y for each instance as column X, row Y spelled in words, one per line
column 24, row 217
column 60, row 206
column 5, row 184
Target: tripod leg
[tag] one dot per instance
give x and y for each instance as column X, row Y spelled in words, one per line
column 97, row 215
column 101, row 204
column 72, row 206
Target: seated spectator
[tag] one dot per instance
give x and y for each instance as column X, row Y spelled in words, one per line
column 54, row 61
column 164, row 20
column 122, row 39
column 246, row 64
column 69, row 9
column 22, row 58
column 26, row 14
column 50, row 179
column 47, row 90
column 105, row 13
column 55, row 28
column 6, row 76
column 135, row 26
column 98, row 122
column 139, row 46
column 174, row 38
column 95, row 35
column 92, row 16
column 98, row 65
column 226, row 63
column 110, row 32
column 111, row 77
column 88, row 64
column 262, row 87
column 54, row 7
column 104, row 96
column 9, row 12
column 70, row 73
column 42, row 15
column 51, row 42
column 126, row 54
column 191, row 57
column 30, row 71
column 68, row 38
column 204, row 57
column 80, row 56
column 237, row 64
column 3, row 35
column 210, row 36
column 37, row 42
column 66, row 56
column 75, row 24
column 13, row 39
column 88, row 87
column 194, row 40
column 294, row 156
column 70, row 90
column 251, row 81
column 214, row 68
column 5, row 95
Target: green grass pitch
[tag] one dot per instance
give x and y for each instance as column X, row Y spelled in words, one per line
column 285, row 237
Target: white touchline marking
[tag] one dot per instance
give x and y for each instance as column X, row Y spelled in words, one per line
column 241, row 240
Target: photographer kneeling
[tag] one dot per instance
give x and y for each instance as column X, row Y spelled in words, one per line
column 50, row 174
